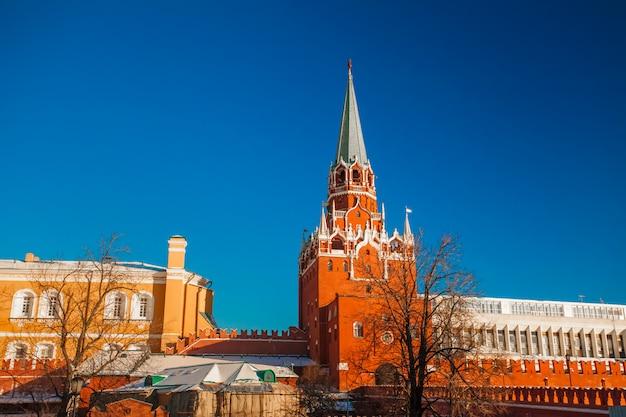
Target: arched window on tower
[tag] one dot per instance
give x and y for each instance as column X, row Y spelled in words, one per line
column 357, row 329
column 337, row 244
column 356, row 176
column 345, row 266
column 330, row 265
column 341, row 177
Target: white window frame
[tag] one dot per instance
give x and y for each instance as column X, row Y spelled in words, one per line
column 357, row 329
column 12, row 348
column 39, row 348
column 45, row 305
column 110, row 306
column 136, row 306
column 17, row 305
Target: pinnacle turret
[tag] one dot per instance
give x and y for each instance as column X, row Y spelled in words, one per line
column 407, row 226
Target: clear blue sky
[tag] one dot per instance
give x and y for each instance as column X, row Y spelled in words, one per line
column 501, row 121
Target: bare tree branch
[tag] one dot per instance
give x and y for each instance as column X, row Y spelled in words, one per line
column 420, row 313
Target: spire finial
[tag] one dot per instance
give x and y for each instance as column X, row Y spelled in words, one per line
column 350, row 66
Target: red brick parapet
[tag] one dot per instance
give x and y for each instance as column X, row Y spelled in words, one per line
column 206, row 337
column 30, row 364
column 599, row 398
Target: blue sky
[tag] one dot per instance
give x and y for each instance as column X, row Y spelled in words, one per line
column 501, row 121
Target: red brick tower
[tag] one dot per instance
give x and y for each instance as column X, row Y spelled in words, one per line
column 349, row 246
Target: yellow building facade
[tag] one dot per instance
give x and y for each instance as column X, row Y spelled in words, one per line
column 108, row 304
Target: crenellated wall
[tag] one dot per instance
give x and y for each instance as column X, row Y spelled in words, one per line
column 243, row 342
column 517, row 400
column 592, row 373
column 25, row 376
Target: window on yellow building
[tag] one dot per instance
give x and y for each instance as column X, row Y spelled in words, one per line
column 17, row 350
column 142, row 306
column 44, row 350
column 118, row 307
column 50, row 304
column 115, row 306
column 23, row 305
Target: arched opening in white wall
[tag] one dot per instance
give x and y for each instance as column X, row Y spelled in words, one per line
column 115, row 306
column 142, row 306
column 17, row 350
column 44, row 350
column 23, row 305
column 50, row 305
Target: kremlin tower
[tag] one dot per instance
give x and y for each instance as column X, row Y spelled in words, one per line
column 350, row 246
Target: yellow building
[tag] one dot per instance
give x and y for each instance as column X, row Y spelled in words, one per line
column 101, row 304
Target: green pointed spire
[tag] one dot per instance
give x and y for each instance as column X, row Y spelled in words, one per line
column 351, row 145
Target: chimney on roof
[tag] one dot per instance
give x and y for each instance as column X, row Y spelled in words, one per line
column 176, row 252
column 30, row 257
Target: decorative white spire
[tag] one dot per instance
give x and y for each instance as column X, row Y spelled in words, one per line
column 407, row 226
column 323, row 225
column 383, row 214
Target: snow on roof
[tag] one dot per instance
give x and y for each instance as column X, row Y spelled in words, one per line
column 214, row 373
column 190, row 372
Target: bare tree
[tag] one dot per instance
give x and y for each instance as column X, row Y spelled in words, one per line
column 83, row 313
column 420, row 303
